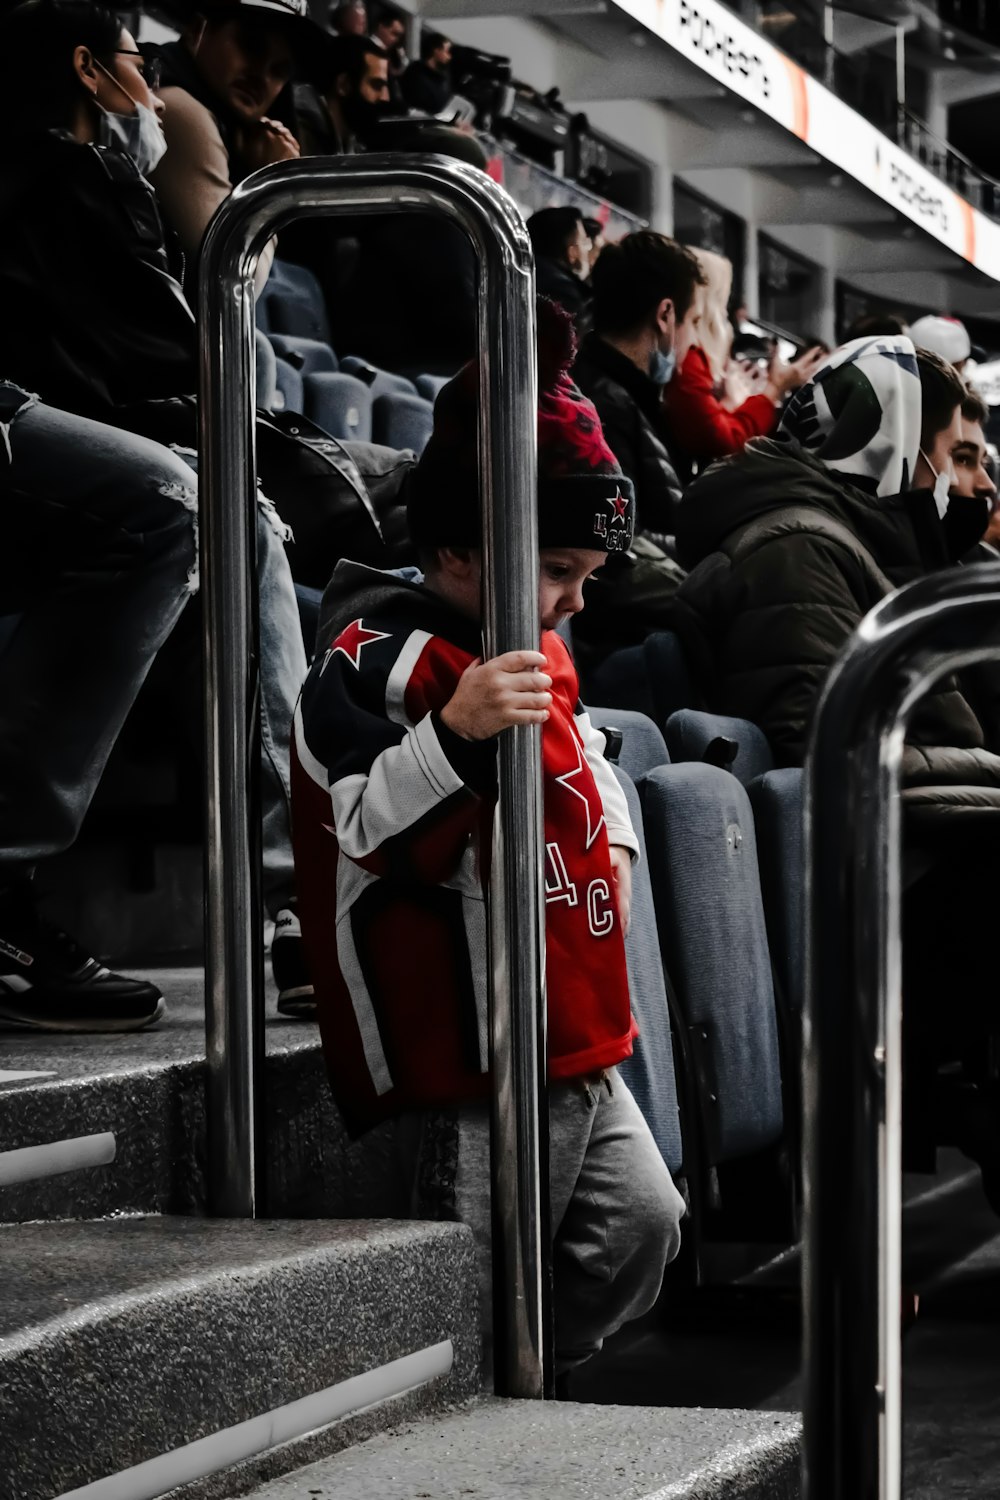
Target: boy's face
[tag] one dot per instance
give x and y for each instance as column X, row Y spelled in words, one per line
column 562, row 572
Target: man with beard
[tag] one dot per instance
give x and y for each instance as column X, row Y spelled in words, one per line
column 225, row 88
column 350, row 96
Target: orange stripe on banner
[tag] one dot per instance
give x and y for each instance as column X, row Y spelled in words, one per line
column 800, row 99
column 969, row 224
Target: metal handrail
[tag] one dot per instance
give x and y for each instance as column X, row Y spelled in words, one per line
column 852, row 1063
column 257, row 209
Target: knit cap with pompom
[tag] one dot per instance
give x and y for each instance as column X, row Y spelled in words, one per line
column 584, row 500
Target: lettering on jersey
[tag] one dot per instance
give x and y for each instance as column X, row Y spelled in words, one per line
column 351, row 642
column 613, row 529
column 558, row 886
column 600, row 908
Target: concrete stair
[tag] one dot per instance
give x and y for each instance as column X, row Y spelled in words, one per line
column 145, row 1091
column 521, row 1450
column 125, row 1340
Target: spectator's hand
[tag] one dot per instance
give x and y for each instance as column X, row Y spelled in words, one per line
column 737, row 387
column 493, row 695
column 621, row 874
column 783, row 378
column 263, row 144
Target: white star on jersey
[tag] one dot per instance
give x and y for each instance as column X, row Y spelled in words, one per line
column 564, row 781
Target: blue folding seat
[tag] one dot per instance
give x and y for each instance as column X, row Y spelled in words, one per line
column 735, row 744
column 777, row 802
column 339, row 403
column 382, row 382
column 402, row 421
column 428, row 386
column 706, row 889
column 642, row 747
column 649, row 1072
column 289, row 396
column 267, row 373
column 307, row 355
column 652, row 678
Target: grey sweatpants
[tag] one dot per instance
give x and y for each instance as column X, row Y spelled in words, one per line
column 615, row 1212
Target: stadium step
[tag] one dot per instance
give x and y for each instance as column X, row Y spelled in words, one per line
column 526, row 1450
column 97, row 1125
column 140, row 1354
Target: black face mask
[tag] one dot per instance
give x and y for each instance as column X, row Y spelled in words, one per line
column 964, row 523
column 363, row 116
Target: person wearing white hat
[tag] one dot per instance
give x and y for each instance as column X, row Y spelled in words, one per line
column 948, row 337
column 224, row 86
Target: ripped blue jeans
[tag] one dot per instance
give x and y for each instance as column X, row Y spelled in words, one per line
column 99, row 559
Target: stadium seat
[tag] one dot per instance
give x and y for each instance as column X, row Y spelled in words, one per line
column 292, row 303
column 429, row 385
column 649, row 1072
column 643, row 747
column 735, row 744
column 339, row 403
column 652, row 678
column 289, row 395
column 706, row 888
column 381, row 382
column 307, row 355
column 777, row 802
column 267, row 374
column 402, row 421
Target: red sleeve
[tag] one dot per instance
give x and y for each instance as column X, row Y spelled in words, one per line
column 700, row 425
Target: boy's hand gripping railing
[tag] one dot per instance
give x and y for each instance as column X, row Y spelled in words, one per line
column 234, row 946
column 853, row 1071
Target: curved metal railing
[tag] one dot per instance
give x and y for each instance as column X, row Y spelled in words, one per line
column 257, row 209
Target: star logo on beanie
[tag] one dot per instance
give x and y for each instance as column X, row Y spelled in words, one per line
column 351, row 642
column 619, row 506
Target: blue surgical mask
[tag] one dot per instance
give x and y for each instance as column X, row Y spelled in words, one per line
column 139, row 136
column 662, row 366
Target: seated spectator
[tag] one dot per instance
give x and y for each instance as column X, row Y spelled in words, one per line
column 98, row 561
column 96, row 323
column 597, row 235
column 711, row 411
column 390, row 30
column 877, row 325
column 426, row 84
column 791, row 543
column 562, row 258
column 645, row 316
column 337, row 114
column 974, row 477
column 224, row 86
column 417, row 789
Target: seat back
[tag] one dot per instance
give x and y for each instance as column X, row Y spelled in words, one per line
column 652, row 679
column 340, row 404
column 307, row 355
column 668, row 673
column 402, row 421
column 706, row 888
column 777, row 799
column 649, row 1072
column 691, row 735
column 428, row 386
column 267, row 373
column 382, row 382
column 288, row 387
column 643, row 747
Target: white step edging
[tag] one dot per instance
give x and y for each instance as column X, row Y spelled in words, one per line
column 28, row 1163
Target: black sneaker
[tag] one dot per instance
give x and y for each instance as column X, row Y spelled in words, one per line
column 296, row 997
column 49, row 983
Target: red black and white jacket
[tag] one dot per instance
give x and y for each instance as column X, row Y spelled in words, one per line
column 392, row 815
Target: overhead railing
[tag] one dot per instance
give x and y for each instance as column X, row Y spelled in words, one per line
column 257, row 209
column 853, row 1067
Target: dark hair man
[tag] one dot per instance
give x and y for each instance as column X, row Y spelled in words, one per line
column 426, row 83
column 337, row 116
column 224, row 86
column 562, row 257
column 975, row 478
column 390, row 30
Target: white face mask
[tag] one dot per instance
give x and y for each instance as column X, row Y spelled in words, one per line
column 944, row 483
column 139, row 136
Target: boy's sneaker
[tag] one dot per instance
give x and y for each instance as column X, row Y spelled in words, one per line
column 296, row 997
column 49, row 983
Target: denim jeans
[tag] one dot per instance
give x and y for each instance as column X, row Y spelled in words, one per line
column 99, row 559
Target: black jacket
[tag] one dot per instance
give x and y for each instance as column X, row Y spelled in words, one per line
column 554, row 281
column 92, row 313
column 631, row 413
column 786, row 561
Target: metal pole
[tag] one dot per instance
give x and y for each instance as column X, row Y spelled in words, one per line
column 258, row 208
column 852, row 1064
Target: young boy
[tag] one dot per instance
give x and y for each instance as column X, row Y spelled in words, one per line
column 394, row 785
